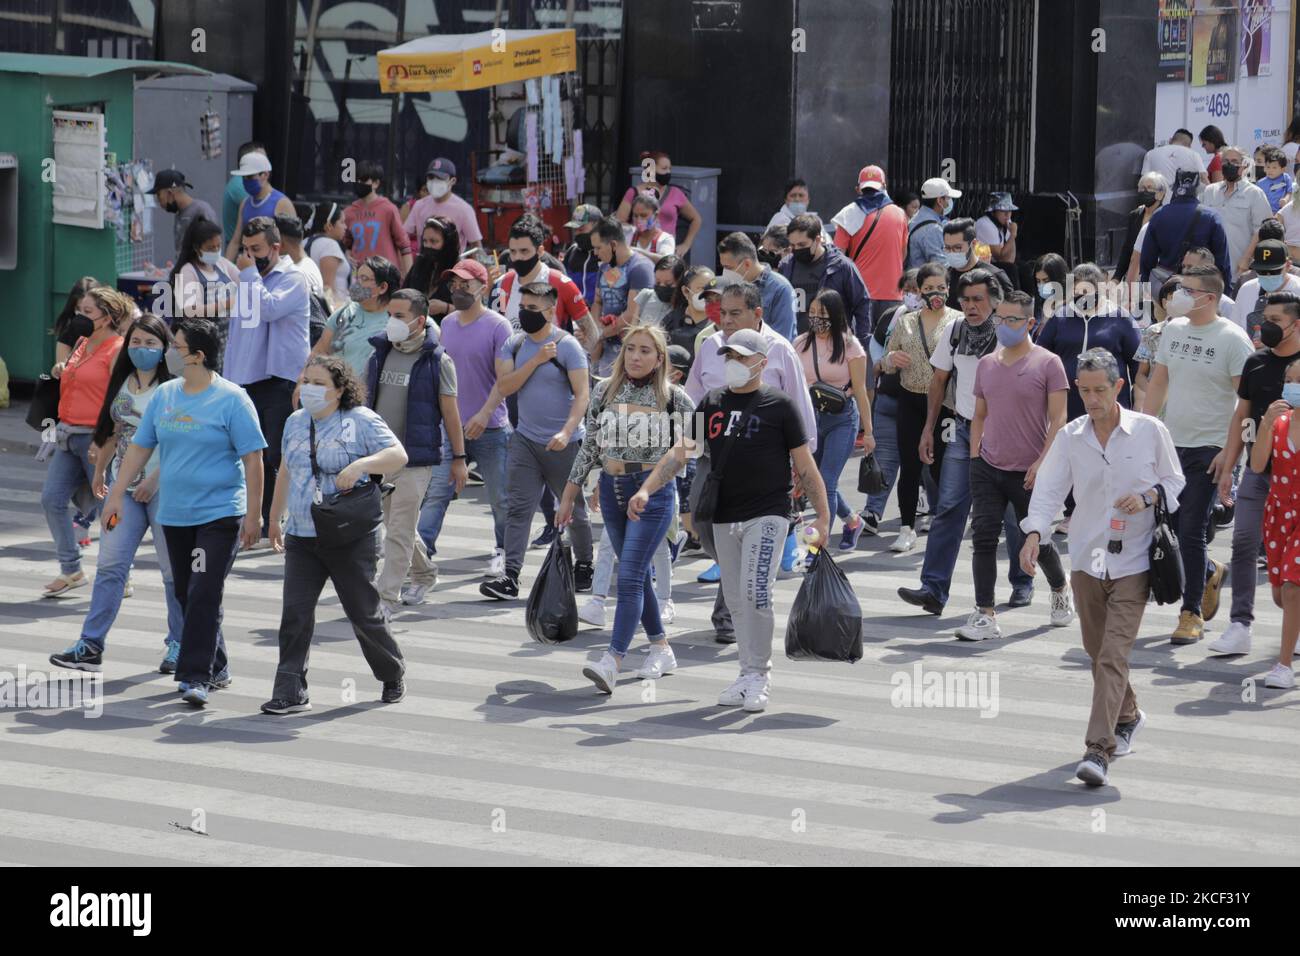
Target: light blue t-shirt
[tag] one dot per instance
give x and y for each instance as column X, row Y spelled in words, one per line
column 545, row 399
column 352, row 328
column 341, row 439
column 200, row 440
column 616, row 286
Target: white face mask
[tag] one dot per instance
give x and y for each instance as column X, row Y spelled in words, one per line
column 438, row 188
column 312, row 398
column 209, row 258
column 697, row 302
column 1179, row 303
column 732, row 276
column 738, row 374
column 397, row 330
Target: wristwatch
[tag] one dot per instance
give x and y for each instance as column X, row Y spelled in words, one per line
column 462, row 457
column 1145, row 501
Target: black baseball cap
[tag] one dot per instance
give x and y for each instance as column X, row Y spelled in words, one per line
column 678, row 357
column 1270, row 257
column 169, row 179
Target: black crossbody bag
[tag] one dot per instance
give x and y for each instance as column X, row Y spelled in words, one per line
column 707, row 504
column 345, row 516
column 1166, row 577
column 827, row 399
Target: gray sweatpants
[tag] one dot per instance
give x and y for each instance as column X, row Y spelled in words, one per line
column 722, row 622
column 1247, row 533
column 529, row 466
column 749, row 554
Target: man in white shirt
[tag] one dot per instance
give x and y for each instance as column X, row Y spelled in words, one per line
column 1114, row 460
column 291, row 234
column 1175, row 155
column 1241, row 204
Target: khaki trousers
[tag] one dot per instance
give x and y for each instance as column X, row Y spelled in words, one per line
column 1110, row 613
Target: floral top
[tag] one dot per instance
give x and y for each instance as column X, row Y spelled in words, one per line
column 631, row 427
column 906, row 338
column 126, row 411
column 1150, row 342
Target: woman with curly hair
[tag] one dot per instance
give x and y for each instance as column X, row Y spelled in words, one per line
column 334, row 443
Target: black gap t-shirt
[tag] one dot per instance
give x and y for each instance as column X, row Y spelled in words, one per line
column 1261, row 383
column 757, row 479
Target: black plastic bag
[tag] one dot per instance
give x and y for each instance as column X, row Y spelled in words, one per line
column 871, row 480
column 552, row 611
column 825, row 623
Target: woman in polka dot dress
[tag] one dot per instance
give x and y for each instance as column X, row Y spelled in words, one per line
column 1279, row 443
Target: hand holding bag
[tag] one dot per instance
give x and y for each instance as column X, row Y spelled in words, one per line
column 344, row 516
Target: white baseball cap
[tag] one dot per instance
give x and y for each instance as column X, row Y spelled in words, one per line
column 252, row 164
column 934, row 188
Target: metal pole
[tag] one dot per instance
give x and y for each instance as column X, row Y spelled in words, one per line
column 397, row 105
column 312, row 22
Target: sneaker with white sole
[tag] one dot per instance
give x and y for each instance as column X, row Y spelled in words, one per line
column 661, row 661
column 604, row 673
column 667, row 612
column 904, row 542
column 756, row 694
column 593, row 612
column 415, row 594
column 1124, row 734
column 496, row 564
column 1280, row 677
column 1092, row 770
column 923, row 524
column 734, row 695
column 979, row 627
column 386, row 611
column 128, row 589
column 1234, row 640
column 1062, row 614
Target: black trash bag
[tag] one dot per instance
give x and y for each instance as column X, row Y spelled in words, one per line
column 871, row 480
column 552, row 611
column 825, row 623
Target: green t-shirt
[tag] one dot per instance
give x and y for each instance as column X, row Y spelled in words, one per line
column 352, row 328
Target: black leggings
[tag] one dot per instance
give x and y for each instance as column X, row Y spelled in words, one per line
column 912, row 410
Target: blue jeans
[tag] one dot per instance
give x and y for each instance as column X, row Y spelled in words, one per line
column 489, row 452
column 68, row 471
column 117, row 550
column 884, row 417
column 635, row 543
column 1195, row 506
column 835, row 437
column 948, row 523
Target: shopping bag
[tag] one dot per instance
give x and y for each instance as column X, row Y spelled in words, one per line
column 552, row 611
column 825, row 623
column 871, row 480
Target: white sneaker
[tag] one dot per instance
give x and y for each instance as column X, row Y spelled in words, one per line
column 604, row 673
column 1280, row 677
column 497, row 564
column 756, row 693
column 905, row 541
column 593, row 612
column 1062, row 609
column 978, row 627
column 1234, row 640
column 661, row 661
column 387, row 611
column 667, row 612
column 415, row 594
column 734, row 695
column 1125, row 733
column 128, row 589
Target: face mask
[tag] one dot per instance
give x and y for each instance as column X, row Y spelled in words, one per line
column 713, row 309
column 145, row 359
column 804, row 255
column 948, row 206
column 583, row 241
column 209, row 258
column 363, row 189
column 463, row 300
column 738, row 374
column 532, row 321
column 1259, row 173
column 172, row 207
column 732, row 276
column 1179, row 303
column 1291, row 394
column 646, row 226
column 772, row 259
column 263, row 264
column 797, row 208
column 912, row 301
column 397, row 330
column 1045, row 290
column 664, row 178
column 664, row 293
column 359, row 293
column 1147, row 197
column 936, row 301
column 81, row 326
column 819, row 325
column 1231, row 172
column 175, row 362
column 312, row 398
column 1008, row 337
column 438, row 188
column 956, row 260
column 524, row 266
column 1271, row 334
column 696, row 301
column 1272, row 283
column 252, row 185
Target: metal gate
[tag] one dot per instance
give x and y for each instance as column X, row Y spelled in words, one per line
column 961, row 107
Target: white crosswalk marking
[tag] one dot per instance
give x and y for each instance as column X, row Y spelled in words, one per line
column 503, row 753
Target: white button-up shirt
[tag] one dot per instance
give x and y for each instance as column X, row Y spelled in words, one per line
column 1138, row 456
column 783, row 371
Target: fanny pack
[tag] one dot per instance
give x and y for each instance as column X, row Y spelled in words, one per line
column 827, row 399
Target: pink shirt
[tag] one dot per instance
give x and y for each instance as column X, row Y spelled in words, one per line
column 376, row 229
column 451, row 207
column 666, row 217
column 833, row 373
column 1015, row 428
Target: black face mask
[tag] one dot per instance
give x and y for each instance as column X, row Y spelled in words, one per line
column 263, row 263
column 664, row 293
column 363, row 190
column 1271, row 334
column 804, row 255
column 1259, row 173
column 532, row 321
column 1146, row 197
column 81, row 326
column 583, row 241
column 524, row 266
column 172, row 207
column 1231, row 172
column 663, row 179
column 772, row 259
column 463, row 300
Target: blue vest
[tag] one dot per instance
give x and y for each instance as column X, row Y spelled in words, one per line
column 423, row 438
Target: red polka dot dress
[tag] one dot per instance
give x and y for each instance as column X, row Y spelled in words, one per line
column 1282, row 512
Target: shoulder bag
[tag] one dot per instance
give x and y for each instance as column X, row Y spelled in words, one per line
column 1166, row 574
column 344, row 516
column 827, row 399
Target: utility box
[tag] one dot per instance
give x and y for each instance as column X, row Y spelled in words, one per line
column 8, row 211
column 700, row 183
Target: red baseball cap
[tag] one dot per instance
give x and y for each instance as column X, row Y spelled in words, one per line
column 872, row 176
column 468, row 269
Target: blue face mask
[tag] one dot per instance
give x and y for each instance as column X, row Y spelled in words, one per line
column 146, row 360
column 1009, row 337
column 1291, row 394
column 956, row 260
column 1272, row 283
column 1045, row 290
column 252, row 185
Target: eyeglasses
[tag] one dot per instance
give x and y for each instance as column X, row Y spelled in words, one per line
column 1009, row 319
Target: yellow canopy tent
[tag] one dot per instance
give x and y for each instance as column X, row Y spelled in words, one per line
column 471, row 61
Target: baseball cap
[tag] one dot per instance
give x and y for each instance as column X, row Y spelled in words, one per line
column 746, row 342
column 714, row 286
column 441, row 168
column 1270, row 257
column 936, row 187
column 169, row 179
column 467, row 269
column 1001, row 202
column 872, row 177
column 252, row 164
column 678, row 357
column 584, row 215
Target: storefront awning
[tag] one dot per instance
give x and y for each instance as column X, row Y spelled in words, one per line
column 471, row 61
